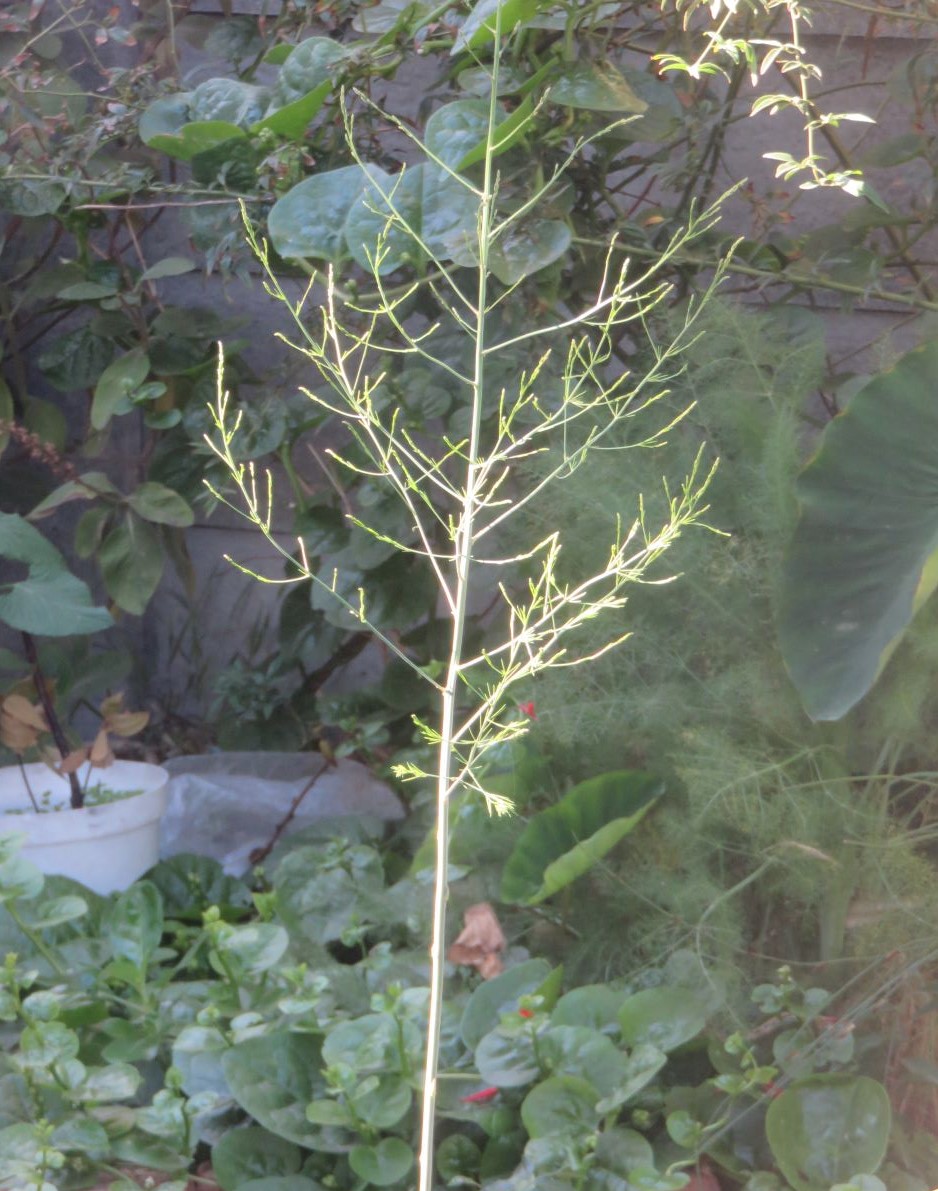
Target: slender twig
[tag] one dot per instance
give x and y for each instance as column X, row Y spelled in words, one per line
column 52, row 719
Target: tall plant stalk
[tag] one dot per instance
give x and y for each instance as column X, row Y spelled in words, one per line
column 460, row 497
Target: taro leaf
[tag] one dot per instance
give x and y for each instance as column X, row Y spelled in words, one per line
column 524, row 248
column 489, row 16
column 382, row 1164
column 598, row 87
column 500, row 995
column 190, row 884
column 114, row 391
column 864, row 556
column 827, row 1128
column 131, row 559
column 565, row 841
column 577, row 1050
column 561, row 1106
column 165, row 116
column 308, row 220
column 368, row 220
column 76, row 360
column 161, row 505
column 273, row 1077
column 252, row 1153
column 134, row 924
column 50, row 601
column 198, row 137
column 664, row 1017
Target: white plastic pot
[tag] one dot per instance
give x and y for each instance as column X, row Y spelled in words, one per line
column 105, row 847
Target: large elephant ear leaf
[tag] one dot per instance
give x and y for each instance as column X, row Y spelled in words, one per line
column 565, row 841
column 864, row 555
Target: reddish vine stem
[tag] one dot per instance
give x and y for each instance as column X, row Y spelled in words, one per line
column 55, row 726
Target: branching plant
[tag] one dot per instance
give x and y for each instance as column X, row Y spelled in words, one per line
column 460, row 492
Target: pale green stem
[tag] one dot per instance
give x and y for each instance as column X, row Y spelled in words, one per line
column 448, row 730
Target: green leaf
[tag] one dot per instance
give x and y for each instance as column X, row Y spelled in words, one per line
column 193, row 139
column 665, row 1018
column 826, row 1129
column 292, row 119
column 449, row 217
column 480, row 26
column 119, row 1081
column 47, row 420
column 165, row 116
column 274, row 1077
column 169, row 266
column 113, row 392
column 76, row 360
column 285, row 1182
column 308, row 220
column 594, row 1005
column 527, row 246
column 455, row 129
column 134, row 924
column 252, row 1153
column 507, row 1059
column 382, row 1164
column 161, row 505
column 370, row 220
column 84, row 1135
column 231, row 101
column 565, row 841
column 311, row 64
column 91, row 484
column 561, row 1106
column 598, row 87
column 56, row 910
column 50, row 601
column 508, row 132
column 190, row 884
column 577, row 1050
column 19, row 878
column 864, row 556
column 255, row 947
column 31, row 197
column 458, row 1157
column 131, row 559
column 500, row 995
column 86, row 291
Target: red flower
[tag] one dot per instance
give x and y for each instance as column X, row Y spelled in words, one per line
column 528, row 709
column 525, row 1012
column 481, row 1097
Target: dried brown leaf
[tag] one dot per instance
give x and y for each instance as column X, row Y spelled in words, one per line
column 481, row 941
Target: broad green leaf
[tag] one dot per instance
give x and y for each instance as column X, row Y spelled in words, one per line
column 19, row 878
column 376, row 217
column 32, row 197
column 169, row 266
column 118, row 382
column 224, row 100
column 82, row 1134
column 119, row 1081
column 565, row 841
column 561, row 1106
column 255, row 947
column 161, row 505
column 528, row 246
column 273, row 1077
column 190, row 884
column 50, row 601
column 76, row 360
column 644, row 1063
column 507, row 133
column 292, row 119
column 56, row 910
column 86, row 291
column 598, row 87
column 91, row 484
column 458, row 1157
column 134, row 924
column 500, row 995
column 664, row 1017
column 449, row 217
column 382, row 1164
column 131, row 559
column 165, row 116
column 593, row 1005
column 307, row 67
column 489, row 17
column 578, row 1050
column 374, row 1043
column 198, row 137
column 864, row 555
column 507, row 1060
column 456, row 128
column 308, row 220
column 320, row 902
column 252, row 1153
column 825, row 1129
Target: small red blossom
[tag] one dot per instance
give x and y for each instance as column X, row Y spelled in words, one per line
column 525, row 1012
column 481, row 1097
column 528, row 709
